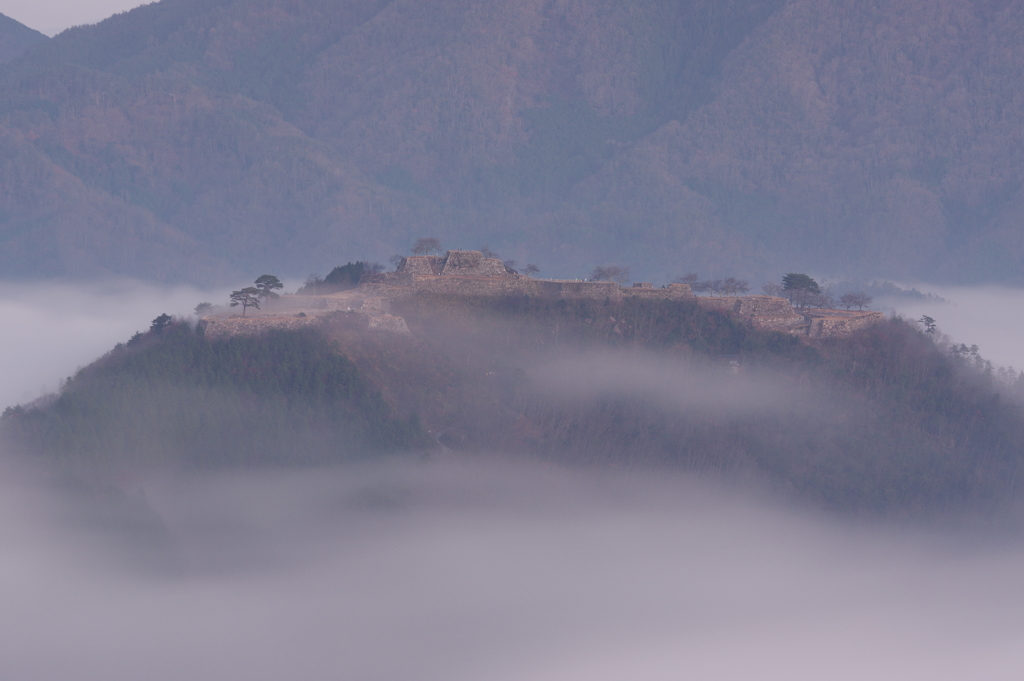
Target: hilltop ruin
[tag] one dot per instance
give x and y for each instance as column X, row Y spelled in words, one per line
column 471, row 273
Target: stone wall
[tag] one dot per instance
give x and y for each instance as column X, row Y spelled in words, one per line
column 399, row 284
column 591, row 290
column 748, row 306
column 473, row 264
column 421, row 264
column 223, row 327
column 768, row 313
column 647, row 291
column 389, row 323
column 831, row 323
column 453, row 263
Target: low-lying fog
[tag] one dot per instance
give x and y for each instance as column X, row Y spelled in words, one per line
column 991, row 317
column 492, row 571
column 50, row 330
column 463, row 568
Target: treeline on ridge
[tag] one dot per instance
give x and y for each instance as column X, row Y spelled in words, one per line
column 172, row 396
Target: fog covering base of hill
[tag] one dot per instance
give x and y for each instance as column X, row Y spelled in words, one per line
column 189, row 141
column 472, row 565
column 493, row 570
column 882, row 423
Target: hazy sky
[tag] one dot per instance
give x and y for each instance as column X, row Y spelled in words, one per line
column 53, row 16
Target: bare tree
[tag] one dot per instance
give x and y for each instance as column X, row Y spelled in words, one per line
column 488, row 253
column 822, row 299
column 610, row 273
column 312, row 282
column 772, row 289
column 425, row 246
column 510, row 266
column 530, row 269
column 861, row 300
column 690, row 279
column 732, row 286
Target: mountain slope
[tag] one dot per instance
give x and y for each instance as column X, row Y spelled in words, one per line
column 738, row 137
column 15, row 38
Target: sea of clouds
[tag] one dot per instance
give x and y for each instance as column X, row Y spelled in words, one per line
column 465, row 567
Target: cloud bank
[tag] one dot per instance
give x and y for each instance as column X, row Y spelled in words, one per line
column 492, row 571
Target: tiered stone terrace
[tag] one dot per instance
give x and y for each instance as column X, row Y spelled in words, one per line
column 470, row 273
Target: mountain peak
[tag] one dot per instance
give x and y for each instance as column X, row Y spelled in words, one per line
column 15, row 38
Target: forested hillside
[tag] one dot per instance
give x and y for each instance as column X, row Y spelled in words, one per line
column 15, row 38
column 186, row 140
column 885, row 421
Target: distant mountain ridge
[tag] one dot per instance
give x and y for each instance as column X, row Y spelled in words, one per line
column 15, row 38
column 196, row 141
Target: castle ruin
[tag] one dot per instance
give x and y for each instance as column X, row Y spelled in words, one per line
column 471, row 273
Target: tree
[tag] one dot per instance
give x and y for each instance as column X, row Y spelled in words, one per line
column 823, row 299
column 266, row 284
column 247, row 297
column 488, row 253
column 690, row 279
column 732, row 286
column 799, row 288
column 530, row 269
column 510, row 266
column 312, row 283
column 425, row 246
column 861, row 300
column 610, row 273
column 203, row 309
column 929, row 328
column 160, row 323
column 772, row 289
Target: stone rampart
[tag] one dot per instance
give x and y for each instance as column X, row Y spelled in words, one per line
column 832, row 323
column 570, row 289
column 216, row 328
column 648, row 292
column 469, row 286
column 748, row 306
column 388, row 322
column 421, row 264
column 473, row 264
column 464, row 285
column 768, row 313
